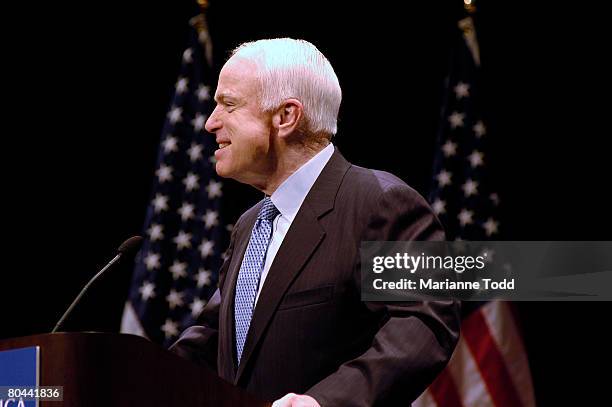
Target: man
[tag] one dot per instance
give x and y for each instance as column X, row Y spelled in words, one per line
column 287, row 322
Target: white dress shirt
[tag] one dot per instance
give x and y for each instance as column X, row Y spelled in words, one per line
column 288, row 199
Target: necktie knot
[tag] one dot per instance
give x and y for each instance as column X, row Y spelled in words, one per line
column 268, row 211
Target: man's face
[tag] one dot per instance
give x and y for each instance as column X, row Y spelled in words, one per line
column 242, row 130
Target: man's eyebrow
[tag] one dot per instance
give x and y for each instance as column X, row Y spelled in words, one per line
column 224, row 95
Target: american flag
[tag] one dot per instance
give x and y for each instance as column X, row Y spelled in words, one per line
column 489, row 366
column 175, row 271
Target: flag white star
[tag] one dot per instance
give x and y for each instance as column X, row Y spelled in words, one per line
column 195, row 152
column 160, row 203
column 212, row 159
column 476, row 158
column 156, row 232
column 203, row 93
column 480, row 129
column 449, row 148
column 214, row 189
column 147, row 290
column 175, row 299
column 470, row 187
column 202, row 278
column 197, row 306
column 206, row 248
column 191, row 181
column 151, row 261
column 164, row 173
column 462, row 90
column 494, row 198
column 178, row 270
column 444, row 178
column 198, row 122
column 211, row 218
column 439, row 206
column 456, row 119
column 465, row 217
column 170, row 328
column 484, row 252
column 170, row 143
column 188, row 56
column 186, row 211
column 490, row 227
column 181, row 85
column 175, row 114
column 229, row 227
column 182, row 240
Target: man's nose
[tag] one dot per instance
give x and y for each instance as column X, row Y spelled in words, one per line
column 213, row 124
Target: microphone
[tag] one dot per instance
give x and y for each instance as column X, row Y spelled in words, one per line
column 130, row 245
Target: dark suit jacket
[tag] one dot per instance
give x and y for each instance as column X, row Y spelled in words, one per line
column 310, row 332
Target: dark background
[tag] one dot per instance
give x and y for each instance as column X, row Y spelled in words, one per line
column 88, row 86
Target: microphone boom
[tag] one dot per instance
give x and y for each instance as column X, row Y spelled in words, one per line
column 128, row 246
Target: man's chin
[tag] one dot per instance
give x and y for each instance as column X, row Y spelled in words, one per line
column 224, row 171
column 221, row 171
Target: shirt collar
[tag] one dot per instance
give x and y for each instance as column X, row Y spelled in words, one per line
column 290, row 195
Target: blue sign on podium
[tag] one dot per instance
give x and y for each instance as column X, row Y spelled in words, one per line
column 19, row 368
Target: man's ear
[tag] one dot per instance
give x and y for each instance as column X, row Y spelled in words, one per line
column 288, row 117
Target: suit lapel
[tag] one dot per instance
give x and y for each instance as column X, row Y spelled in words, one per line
column 301, row 241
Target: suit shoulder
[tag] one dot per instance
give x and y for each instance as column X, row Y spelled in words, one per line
column 393, row 209
column 372, row 185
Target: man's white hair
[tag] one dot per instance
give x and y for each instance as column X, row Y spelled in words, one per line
column 289, row 68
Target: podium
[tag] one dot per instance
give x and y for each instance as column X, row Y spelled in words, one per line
column 104, row 369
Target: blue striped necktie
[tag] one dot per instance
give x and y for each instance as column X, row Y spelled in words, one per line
column 250, row 272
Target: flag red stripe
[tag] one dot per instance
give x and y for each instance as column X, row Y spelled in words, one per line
column 444, row 391
column 490, row 361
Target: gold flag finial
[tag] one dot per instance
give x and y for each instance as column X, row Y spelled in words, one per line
column 469, row 6
column 203, row 4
